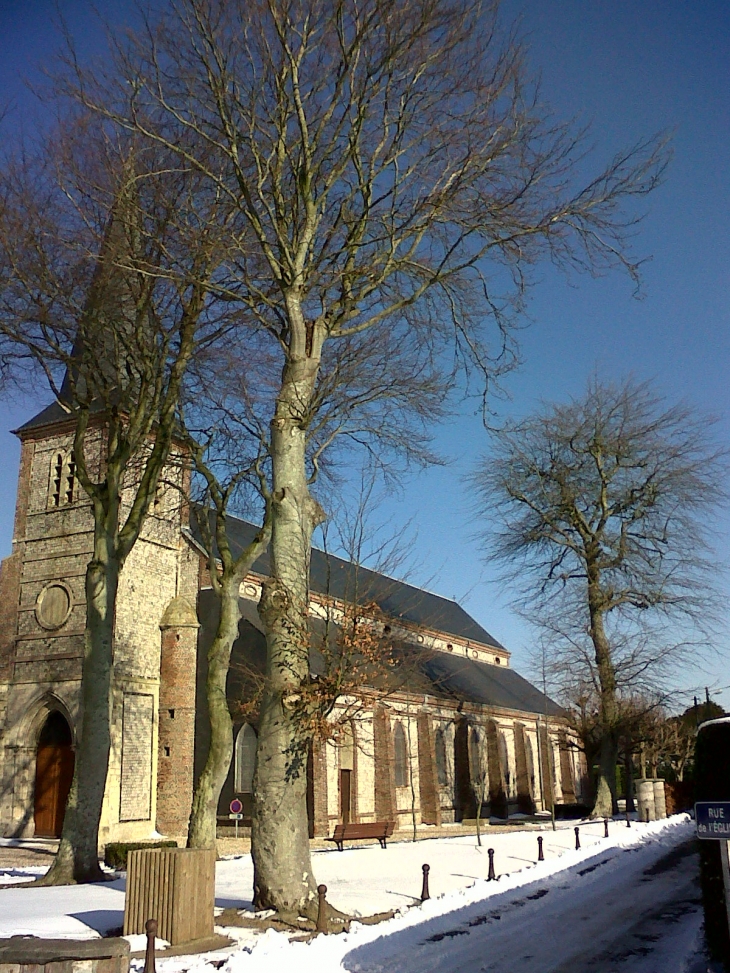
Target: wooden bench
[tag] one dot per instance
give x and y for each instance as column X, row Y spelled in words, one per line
column 382, row 830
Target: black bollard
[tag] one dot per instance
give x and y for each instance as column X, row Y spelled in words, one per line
column 540, row 856
column 605, row 827
column 150, row 927
column 424, row 888
column 491, row 877
column 322, row 909
column 628, row 820
column 577, row 839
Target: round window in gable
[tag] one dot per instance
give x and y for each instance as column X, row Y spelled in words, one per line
column 54, row 605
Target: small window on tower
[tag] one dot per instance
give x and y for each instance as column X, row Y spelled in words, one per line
column 56, row 480
column 62, row 487
column 70, row 479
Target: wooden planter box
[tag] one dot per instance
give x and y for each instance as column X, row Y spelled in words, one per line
column 175, row 886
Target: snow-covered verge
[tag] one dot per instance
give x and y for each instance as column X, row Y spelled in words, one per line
column 364, row 881
column 328, row 954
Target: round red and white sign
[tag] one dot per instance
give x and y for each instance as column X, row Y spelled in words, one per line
column 236, row 806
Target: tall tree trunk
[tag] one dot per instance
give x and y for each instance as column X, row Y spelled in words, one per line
column 606, row 789
column 629, row 773
column 283, row 877
column 202, row 829
column 77, row 859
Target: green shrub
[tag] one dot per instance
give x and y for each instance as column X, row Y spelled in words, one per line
column 115, row 853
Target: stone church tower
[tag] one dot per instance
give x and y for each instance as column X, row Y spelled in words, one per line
column 42, row 615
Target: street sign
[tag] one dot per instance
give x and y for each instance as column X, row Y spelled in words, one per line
column 713, row 819
column 236, row 809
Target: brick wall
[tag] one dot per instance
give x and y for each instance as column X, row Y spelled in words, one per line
column 385, row 800
column 176, row 751
column 430, row 807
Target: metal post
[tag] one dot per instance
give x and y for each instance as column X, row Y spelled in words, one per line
column 540, row 856
column 605, row 827
column 322, row 909
column 424, row 888
column 577, row 838
column 725, row 860
column 491, row 877
column 628, row 820
column 149, row 960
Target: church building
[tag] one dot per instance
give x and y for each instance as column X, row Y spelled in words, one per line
column 462, row 718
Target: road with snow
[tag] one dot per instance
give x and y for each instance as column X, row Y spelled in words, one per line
column 627, row 903
column 626, row 910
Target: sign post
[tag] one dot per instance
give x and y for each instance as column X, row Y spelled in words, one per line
column 712, row 820
column 236, row 812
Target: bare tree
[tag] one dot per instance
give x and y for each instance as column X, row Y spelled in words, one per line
column 227, row 570
column 599, row 510
column 396, row 176
column 110, row 251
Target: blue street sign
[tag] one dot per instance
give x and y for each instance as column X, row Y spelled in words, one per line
column 713, row 819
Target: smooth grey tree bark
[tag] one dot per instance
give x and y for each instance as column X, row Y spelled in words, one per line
column 227, row 574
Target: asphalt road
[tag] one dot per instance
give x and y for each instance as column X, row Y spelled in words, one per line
column 624, row 911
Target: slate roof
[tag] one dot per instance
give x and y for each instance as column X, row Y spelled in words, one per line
column 333, row 576
column 422, row 671
column 52, row 413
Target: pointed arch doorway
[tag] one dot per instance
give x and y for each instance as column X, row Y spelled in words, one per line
column 54, row 772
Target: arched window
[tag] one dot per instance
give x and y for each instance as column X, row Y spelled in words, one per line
column 400, row 752
column 347, row 748
column 530, row 761
column 62, row 487
column 245, row 759
column 440, row 746
column 476, row 763
column 504, row 758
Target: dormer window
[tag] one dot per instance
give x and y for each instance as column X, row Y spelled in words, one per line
column 62, row 489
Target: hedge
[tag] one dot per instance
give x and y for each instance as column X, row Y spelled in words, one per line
column 115, row 853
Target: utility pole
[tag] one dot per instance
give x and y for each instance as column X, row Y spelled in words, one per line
column 550, row 768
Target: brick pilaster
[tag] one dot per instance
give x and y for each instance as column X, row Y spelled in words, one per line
column 497, row 796
column 11, row 567
column 385, row 806
column 318, row 814
column 178, row 655
column 525, row 803
column 428, row 784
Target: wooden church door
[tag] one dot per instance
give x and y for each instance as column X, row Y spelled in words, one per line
column 53, row 775
column 345, row 796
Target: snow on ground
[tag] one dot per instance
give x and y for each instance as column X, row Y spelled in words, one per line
column 360, row 880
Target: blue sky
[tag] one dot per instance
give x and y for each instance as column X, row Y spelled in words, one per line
column 629, row 69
